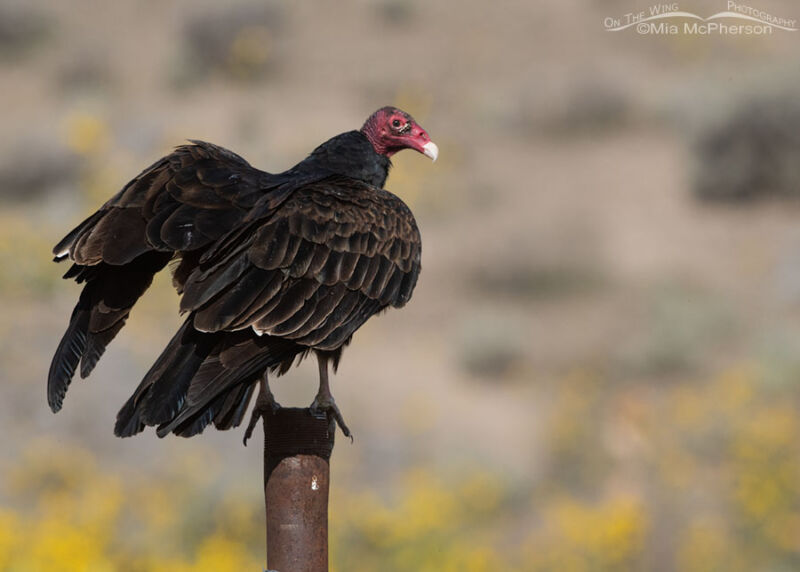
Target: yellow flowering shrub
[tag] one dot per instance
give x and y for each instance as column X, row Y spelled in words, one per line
column 699, row 475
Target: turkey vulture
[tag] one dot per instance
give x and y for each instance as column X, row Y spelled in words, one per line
column 268, row 267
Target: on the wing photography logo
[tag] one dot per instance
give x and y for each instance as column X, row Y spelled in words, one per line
column 669, row 20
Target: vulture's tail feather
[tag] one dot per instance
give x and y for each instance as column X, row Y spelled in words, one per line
column 201, row 378
column 168, row 379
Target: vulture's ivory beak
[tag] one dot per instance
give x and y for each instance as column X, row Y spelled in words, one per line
column 431, row 150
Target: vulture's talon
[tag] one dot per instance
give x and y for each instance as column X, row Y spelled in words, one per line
column 250, row 426
column 328, row 407
column 264, row 405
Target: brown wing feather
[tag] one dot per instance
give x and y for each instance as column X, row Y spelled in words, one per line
column 333, row 254
column 167, row 197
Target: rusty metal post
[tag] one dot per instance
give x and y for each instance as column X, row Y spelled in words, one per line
column 297, row 451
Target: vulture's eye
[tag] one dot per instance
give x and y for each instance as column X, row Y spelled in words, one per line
column 396, row 123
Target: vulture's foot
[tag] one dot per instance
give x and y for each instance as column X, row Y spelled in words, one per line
column 265, row 404
column 325, row 404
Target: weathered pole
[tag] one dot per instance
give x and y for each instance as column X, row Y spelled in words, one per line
column 297, row 451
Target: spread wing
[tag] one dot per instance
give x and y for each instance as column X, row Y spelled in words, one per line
column 329, row 257
column 182, row 202
column 177, row 206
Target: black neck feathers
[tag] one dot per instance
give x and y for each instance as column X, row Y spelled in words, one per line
column 349, row 154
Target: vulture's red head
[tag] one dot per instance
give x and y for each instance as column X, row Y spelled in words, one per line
column 391, row 130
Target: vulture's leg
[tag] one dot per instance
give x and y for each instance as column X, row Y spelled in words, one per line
column 265, row 403
column 324, row 400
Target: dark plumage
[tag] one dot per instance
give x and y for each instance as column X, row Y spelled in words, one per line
column 269, row 267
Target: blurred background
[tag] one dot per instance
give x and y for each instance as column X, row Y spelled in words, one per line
column 600, row 368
